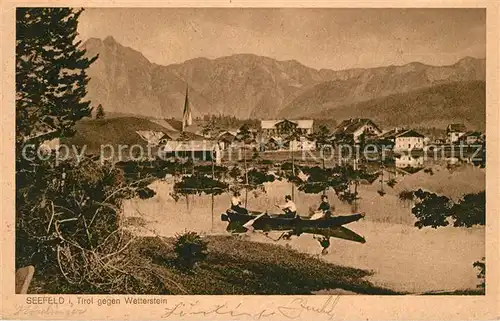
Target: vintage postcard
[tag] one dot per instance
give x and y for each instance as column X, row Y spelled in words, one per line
column 250, row 161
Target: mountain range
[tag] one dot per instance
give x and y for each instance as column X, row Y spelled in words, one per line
column 251, row 86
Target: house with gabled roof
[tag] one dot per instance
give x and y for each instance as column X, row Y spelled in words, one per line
column 409, row 140
column 45, row 134
column 282, row 127
column 152, row 138
column 455, row 131
column 391, row 134
column 471, row 138
column 226, row 139
column 355, row 127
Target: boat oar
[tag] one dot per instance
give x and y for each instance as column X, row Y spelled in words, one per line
column 249, row 225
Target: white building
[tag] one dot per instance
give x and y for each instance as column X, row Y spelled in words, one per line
column 355, row 127
column 455, row 131
column 409, row 140
column 408, row 160
column 284, row 126
column 153, row 138
column 391, row 134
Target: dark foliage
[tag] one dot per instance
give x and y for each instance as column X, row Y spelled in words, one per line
column 265, row 162
column 50, row 74
column 256, row 177
column 406, row 195
column 322, row 136
column 235, row 173
column 157, row 168
column 432, row 209
column 391, row 183
column 481, row 275
column 471, row 210
column 344, row 139
column 287, row 166
column 347, row 197
column 429, row 171
column 145, row 193
column 67, row 204
column 320, row 179
column 100, row 112
column 218, row 170
column 226, row 121
column 365, row 175
column 190, row 249
column 198, row 184
column 210, row 128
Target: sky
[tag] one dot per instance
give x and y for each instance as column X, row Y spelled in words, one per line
column 318, row 38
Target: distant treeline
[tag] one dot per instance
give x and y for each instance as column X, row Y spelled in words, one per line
column 229, row 121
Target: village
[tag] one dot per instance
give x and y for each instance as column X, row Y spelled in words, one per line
column 276, row 139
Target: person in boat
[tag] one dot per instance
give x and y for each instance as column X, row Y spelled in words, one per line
column 325, row 207
column 236, row 204
column 289, row 207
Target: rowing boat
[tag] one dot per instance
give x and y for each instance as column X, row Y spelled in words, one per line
column 278, row 222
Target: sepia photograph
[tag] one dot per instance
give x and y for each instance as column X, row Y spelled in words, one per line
column 250, row 151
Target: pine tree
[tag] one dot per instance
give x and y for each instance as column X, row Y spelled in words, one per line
column 51, row 74
column 100, row 112
column 322, row 136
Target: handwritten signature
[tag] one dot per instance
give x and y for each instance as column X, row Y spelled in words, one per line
column 293, row 310
column 50, row 310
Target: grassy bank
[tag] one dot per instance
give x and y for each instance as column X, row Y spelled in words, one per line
column 233, row 266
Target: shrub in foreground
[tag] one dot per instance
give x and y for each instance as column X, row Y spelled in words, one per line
column 190, row 249
column 67, row 221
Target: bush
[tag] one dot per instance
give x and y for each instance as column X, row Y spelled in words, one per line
column 481, row 275
column 235, row 173
column 200, row 183
column 391, row 183
column 471, row 210
column 67, row 223
column 190, row 249
column 406, row 196
column 67, row 203
column 432, row 209
column 256, row 177
column 347, row 197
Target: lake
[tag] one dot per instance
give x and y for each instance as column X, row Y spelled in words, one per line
column 401, row 256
